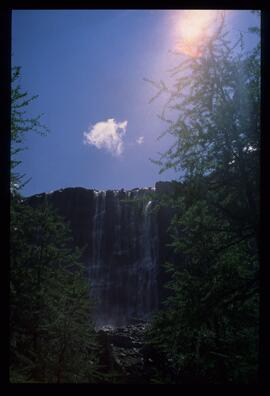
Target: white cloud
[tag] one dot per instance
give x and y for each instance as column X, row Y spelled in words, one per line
column 107, row 134
column 140, row 140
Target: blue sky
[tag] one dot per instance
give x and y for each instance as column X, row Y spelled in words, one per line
column 88, row 68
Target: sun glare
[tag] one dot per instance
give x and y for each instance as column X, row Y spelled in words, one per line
column 194, row 29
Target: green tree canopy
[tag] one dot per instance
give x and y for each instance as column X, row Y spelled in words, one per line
column 52, row 337
column 209, row 329
column 20, row 125
column 51, row 330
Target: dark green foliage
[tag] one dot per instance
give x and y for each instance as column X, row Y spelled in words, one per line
column 52, row 337
column 208, row 330
column 20, row 125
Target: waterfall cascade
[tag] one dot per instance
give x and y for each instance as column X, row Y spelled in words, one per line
column 123, row 267
column 124, row 239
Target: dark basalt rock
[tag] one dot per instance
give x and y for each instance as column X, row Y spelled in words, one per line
column 125, row 240
column 76, row 206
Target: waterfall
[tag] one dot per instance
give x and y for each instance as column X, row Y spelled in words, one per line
column 98, row 228
column 95, row 269
column 125, row 241
column 150, row 247
column 124, row 263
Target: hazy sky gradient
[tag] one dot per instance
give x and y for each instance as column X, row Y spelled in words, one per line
column 87, row 68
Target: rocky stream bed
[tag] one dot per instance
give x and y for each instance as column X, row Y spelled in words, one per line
column 126, row 356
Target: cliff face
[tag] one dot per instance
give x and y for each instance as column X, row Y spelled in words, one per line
column 125, row 237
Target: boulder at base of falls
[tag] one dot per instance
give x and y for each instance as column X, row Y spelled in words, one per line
column 126, row 354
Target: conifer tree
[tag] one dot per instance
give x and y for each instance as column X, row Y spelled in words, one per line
column 209, row 329
column 52, row 337
column 21, row 125
column 52, row 334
